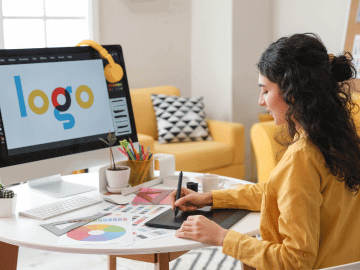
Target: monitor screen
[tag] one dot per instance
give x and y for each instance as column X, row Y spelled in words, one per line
column 56, row 102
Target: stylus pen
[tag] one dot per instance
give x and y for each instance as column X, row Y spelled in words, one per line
column 178, row 192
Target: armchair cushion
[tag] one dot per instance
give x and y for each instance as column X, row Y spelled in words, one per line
column 180, row 119
column 198, row 156
column 144, row 114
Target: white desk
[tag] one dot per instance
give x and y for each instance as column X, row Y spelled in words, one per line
column 26, row 232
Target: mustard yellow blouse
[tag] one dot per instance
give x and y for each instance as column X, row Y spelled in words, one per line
column 308, row 219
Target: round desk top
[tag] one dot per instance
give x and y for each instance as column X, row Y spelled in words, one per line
column 26, row 232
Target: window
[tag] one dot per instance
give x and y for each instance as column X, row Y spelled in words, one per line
column 44, row 23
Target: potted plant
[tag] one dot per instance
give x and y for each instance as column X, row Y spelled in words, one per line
column 116, row 176
column 7, row 202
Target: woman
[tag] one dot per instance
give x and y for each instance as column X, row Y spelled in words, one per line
column 309, row 207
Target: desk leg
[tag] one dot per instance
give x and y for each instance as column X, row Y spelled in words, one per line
column 8, row 256
column 162, row 261
column 112, row 262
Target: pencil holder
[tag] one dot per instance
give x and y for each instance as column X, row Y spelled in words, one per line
column 141, row 171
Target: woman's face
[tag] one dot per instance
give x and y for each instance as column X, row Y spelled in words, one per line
column 271, row 98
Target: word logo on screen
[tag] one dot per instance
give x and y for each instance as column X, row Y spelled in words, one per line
column 58, row 109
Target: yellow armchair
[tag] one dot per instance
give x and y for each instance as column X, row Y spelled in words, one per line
column 224, row 155
column 267, row 151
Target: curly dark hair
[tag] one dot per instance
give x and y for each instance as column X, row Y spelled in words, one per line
column 317, row 91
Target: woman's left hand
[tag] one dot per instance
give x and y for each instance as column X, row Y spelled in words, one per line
column 202, row 229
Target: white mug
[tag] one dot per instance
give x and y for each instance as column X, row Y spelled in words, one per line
column 211, row 182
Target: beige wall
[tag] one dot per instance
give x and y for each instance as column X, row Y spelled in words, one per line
column 155, row 37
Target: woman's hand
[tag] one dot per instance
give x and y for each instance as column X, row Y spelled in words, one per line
column 190, row 200
column 202, row 229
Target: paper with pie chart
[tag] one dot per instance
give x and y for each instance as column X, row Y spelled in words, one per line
column 102, row 231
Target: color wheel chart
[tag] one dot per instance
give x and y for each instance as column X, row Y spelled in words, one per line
column 98, row 232
column 105, row 230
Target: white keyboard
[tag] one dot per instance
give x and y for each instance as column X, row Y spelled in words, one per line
column 59, row 208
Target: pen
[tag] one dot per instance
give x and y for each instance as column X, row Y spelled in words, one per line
column 178, row 192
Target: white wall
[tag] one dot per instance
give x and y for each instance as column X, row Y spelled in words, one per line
column 155, row 37
column 252, row 33
column 212, row 46
column 211, row 56
column 327, row 18
column 228, row 37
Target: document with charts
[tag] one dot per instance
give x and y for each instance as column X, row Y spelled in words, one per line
column 140, row 215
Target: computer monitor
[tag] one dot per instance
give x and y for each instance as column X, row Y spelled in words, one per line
column 55, row 104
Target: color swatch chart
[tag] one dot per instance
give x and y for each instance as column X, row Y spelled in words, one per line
column 140, row 213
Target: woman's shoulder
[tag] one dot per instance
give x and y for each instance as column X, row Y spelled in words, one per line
column 300, row 159
column 303, row 148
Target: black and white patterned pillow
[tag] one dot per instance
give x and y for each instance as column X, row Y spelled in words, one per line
column 180, row 119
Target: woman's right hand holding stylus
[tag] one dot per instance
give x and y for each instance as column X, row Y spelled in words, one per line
column 190, row 200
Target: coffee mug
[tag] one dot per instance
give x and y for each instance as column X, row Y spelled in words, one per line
column 211, row 182
column 172, row 181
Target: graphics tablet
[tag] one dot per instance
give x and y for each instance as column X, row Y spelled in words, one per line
column 224, row 217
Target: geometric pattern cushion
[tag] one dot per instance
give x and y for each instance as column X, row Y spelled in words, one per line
column 180, row 119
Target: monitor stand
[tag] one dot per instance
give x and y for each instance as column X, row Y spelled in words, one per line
column 56, row 187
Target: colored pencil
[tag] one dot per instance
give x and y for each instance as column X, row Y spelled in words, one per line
column 131, row 154
column 123, row 152
column 133, row 148
column 141, row 154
